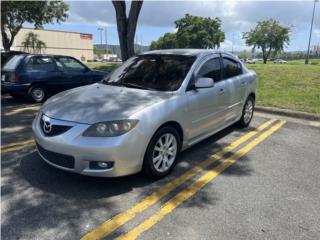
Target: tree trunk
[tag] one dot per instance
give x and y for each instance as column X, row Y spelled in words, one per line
column 127, row 26
column 5, row 40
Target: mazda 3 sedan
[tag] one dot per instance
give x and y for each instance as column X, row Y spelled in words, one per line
column 143, row 114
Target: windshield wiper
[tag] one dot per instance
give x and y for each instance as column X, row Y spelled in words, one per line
column 133, row 85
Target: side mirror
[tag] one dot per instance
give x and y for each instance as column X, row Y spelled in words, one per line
column 204, row 82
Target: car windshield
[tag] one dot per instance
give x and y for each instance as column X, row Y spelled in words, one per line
column 152, row 71
column 13, row 62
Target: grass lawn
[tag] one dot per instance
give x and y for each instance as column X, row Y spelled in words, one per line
column 293, row 85
column 102, row 66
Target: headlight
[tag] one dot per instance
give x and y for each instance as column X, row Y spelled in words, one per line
column 110, row 129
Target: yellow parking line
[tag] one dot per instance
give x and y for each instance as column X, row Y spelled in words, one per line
column 117, row 221
column 33, row 108
column 16, row 146
column 185, row 194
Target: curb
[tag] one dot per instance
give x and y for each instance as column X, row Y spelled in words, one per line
column 288, row 113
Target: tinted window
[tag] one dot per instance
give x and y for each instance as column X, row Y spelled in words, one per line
column 41, row 63
column 211, row 69
column 157, row 72
column 13, row 62
column 231, row 68
column 71, row 64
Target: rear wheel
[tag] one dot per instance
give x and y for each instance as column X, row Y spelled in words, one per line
column 37, row 93
column 247, row 112
column 162, row 152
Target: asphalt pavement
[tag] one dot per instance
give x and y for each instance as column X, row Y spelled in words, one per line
column 262, row 182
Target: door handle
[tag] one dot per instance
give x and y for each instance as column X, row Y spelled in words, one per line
column 243, row 83
column 221, row 91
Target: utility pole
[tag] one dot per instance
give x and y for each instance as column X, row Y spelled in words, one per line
column 100, row 29
column 314, row 8
column 106, row 38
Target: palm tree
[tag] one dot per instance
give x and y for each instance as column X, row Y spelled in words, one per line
column 32, row 43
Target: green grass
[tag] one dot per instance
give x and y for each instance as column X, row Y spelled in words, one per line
column 102, row 66
column 293, row 85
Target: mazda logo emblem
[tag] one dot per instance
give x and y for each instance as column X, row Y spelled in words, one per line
column 47, row 127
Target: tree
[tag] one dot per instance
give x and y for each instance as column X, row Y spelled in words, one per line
column 167, row 41
column 127, row 26
column 199, row 32
column 244, row 55
column 32, row 43
column 15, row 13
column 193, row 32
column 270, row 36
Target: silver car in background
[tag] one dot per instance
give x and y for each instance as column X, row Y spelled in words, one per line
column 145, row 112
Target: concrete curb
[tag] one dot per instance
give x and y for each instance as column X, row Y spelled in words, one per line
column 288, row 113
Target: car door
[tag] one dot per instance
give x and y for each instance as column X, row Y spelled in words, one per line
column 74, row 72
column 232, row 75
column 206, row 106
column 43, row 70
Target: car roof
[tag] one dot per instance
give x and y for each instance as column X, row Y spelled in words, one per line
column 48, row 55
column 185, row 52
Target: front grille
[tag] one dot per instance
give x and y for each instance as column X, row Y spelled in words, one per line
column 55, row 129
column 59, row 159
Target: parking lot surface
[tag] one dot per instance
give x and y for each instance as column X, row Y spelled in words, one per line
column 262, row 182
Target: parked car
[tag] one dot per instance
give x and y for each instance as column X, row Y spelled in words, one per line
column 145, row 112
column 279, row 61
column 39, row 76
column 6, row 55
column 250, row 61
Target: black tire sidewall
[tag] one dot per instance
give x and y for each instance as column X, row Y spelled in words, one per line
column 31, row 96
column 242, row 123
column 148, row 167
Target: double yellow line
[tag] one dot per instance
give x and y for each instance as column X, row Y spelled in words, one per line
column 16, row 146
column 117, row 221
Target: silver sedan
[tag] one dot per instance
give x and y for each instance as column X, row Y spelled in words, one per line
column 143, row 114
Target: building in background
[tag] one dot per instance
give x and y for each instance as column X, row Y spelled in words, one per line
column 75, row 44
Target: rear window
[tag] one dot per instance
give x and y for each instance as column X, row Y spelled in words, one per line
column 13, row 62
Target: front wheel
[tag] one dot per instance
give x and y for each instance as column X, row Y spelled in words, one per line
column 162, row 152
column 247, row 112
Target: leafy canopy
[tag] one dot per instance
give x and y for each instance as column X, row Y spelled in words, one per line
column 15, row 13
column 192, row 32
column 269, row 36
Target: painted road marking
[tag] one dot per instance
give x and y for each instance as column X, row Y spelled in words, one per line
column 16, row 146
column 117, row 221
column 193, row 188
column 32, row 108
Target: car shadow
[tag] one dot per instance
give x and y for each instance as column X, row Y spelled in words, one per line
column 71, row 185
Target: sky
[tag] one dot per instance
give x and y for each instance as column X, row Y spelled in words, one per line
column 157, row 18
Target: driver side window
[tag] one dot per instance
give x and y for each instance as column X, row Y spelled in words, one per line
column 211, row 69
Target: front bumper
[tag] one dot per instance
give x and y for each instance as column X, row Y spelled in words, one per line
column 126, row 152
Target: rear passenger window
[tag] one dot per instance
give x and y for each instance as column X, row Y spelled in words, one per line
column 231, row 68
column 211, row 69
column 41, row 64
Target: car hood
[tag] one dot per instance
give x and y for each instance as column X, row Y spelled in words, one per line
column 99, row 102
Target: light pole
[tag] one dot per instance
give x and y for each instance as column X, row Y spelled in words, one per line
column 314, row 8
column 106, row 40
column 100, row 29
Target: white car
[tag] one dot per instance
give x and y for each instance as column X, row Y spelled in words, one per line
column 279, row 61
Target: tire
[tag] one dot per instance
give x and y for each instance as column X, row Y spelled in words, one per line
column 247, row 112
column 159, row 161
column 37, row 93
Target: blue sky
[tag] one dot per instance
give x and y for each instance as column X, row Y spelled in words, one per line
column 157, row 18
